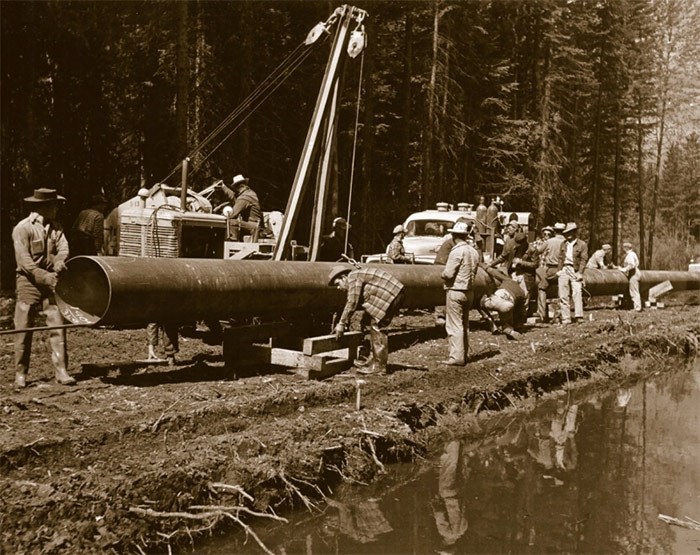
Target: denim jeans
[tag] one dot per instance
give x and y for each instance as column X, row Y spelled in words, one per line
column 457, row 306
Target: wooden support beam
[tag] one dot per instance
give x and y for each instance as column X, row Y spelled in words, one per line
column 325, row 343
column 255, row 333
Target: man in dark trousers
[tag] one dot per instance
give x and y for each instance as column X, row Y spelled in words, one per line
column 41, row 250
column 508, row 299
column 88, row 232
column 246, row 205
column 333, row 245
column 379, row 294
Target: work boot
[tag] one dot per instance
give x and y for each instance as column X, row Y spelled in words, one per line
column 20, row 378
column 58, row 357
column 380, row 353
column 63, row 378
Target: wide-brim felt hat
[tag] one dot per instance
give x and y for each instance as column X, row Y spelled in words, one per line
column 239, row 180
column 548, row 228
column 399, row 229
column 559, row 227
column 337, row 271
column 45, row 195
column 570, row 227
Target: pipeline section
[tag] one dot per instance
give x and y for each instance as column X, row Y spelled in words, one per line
column 128, row 290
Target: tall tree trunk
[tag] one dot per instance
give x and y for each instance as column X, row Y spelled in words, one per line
column 245, row 69
column 183, row 79
column 406, row 111
column 616, row 191
column 443, row 193
column 640, row 189
column 427, row 174
column 595, row 185
column 198, row 101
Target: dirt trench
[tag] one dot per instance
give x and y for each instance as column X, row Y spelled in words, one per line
column 137, row 457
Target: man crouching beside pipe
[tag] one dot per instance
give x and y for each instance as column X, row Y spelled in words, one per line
column 508, row 299
column 379, row 294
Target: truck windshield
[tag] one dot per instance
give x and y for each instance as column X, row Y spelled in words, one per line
column 429, row 228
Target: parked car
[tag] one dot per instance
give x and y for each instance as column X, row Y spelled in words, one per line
column 426, row 230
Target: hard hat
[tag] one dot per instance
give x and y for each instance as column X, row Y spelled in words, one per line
column 337, row 271
column 341, row 222
column 399, row 229
column 227, row 211
column 460, row 228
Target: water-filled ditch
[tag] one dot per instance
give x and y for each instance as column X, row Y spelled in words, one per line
column 583, row 473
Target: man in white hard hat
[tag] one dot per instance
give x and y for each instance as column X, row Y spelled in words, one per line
column 395, row 252
column 246, row 205
column 379, row 294
column 458, row 275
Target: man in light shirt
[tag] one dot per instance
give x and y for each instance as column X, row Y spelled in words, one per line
column 573, row 255
column 630, row 267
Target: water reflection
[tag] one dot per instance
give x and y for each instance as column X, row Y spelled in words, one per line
column 585, row 475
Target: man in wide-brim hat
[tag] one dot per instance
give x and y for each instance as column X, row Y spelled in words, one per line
column 573, row 256
column 246, row 205
column 41, row 250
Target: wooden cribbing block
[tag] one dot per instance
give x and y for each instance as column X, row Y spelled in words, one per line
column 330, row 367
column 660, row 289
column 260, row 332
column 324, row 343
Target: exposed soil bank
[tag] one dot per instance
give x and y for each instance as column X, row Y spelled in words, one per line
column 92, row 469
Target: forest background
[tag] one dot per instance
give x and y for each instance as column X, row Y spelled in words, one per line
column 575, row 110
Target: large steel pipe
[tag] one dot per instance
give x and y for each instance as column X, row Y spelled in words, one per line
column 125, row 290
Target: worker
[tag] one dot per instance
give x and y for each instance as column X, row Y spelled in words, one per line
column 630, row 267
column 524, row 267
column 87, row 233
column 441, row 259
column 508, row 299
column 515, row 246
column 246, row 205
column 549, row 266
column 333, row 245
column 41, row 250
column 171, row 343
column 395, row 251
column 573, row 255
column 380, row 295
column 601, row 259
column 458, row 277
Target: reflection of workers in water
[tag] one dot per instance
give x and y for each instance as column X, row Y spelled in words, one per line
column 363, row 522
column 563, row 431
column 448, row 509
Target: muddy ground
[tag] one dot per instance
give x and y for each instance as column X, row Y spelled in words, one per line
column 140, row 458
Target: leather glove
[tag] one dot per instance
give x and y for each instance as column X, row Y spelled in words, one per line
column 59, row 266
column 339, row 331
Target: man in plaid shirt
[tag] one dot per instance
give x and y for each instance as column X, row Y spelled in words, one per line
column 379, row 294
